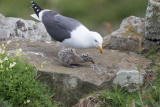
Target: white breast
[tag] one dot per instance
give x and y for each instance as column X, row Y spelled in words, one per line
column 79, row 38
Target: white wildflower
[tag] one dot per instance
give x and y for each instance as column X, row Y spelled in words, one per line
column 12, row 65
column 3, row 45
column 28, row 101
column 19, row 52
column 5, row 59
column 8, row 42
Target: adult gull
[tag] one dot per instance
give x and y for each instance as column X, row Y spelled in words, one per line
column 70, row 32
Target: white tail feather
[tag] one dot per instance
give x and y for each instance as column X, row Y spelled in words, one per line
column 35, row 16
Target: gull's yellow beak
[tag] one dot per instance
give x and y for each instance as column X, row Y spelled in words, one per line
column 101, row 49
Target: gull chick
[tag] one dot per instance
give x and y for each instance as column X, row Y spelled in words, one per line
column 70, row 57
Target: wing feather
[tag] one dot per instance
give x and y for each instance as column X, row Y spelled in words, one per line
column 58, row 26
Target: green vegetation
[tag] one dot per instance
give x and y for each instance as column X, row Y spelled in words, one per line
column 122, row 98
column 98, row 11
column 91, row 13
column 4, row 103
column 154, row 54
column 119, row 97
column 19, row 86
column 147, row 96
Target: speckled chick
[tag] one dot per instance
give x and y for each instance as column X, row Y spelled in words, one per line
column 70, row 57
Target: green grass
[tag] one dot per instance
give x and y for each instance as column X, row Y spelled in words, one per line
column 154, row 54
column 19, row 86
column 92, row 13
column 146, row 96
column 120, row 97
column 117, row 97
column 4, row 103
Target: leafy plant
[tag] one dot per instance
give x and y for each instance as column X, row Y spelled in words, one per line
column 4, row 103
column 120, row 97
column 154, row 54
column 117, row 97
column 18, row 82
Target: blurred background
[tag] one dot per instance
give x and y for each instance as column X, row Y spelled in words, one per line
column 95, row 14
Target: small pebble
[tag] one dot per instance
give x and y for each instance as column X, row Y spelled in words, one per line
column 95, row 67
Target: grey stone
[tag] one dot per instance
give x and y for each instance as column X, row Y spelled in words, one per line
column 129, row 78
column 126, row 37
column 106, row 41
column 152, row 20
column 20, row 24
column 70, row 84
column 20, row 28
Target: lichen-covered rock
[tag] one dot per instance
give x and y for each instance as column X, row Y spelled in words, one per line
column 20, row 28
column 126, row 38
column 106, row 41
column 152, row 20
column 130, row 79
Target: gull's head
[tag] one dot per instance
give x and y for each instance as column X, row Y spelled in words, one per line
column 97, row 41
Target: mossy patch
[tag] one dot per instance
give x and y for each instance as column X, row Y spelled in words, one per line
column 131, row 31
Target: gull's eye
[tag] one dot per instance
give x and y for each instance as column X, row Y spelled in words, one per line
column 95, row 40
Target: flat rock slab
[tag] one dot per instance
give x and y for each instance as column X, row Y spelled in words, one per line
column 40, row 52
column 79, row 80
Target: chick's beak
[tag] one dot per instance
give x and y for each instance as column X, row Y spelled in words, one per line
column 101, row 49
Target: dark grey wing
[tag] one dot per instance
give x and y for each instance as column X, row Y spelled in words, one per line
column 58, row 26
column 66, row 23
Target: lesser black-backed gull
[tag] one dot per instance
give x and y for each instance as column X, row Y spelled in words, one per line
column 68, row 31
